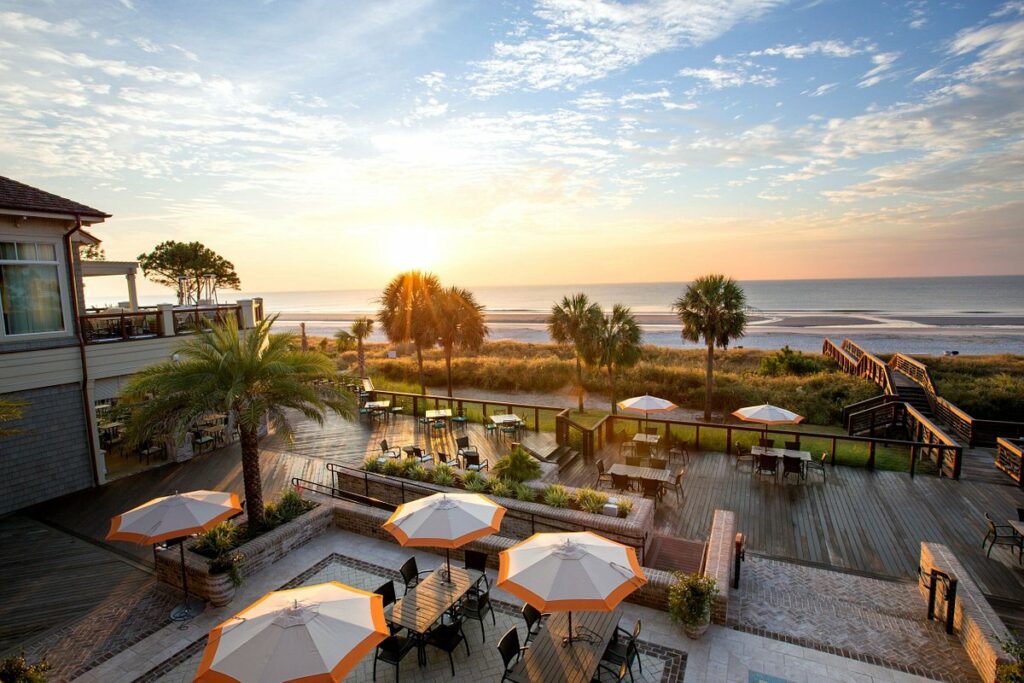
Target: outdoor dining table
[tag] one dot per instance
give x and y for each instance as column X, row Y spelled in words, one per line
column 634, row 472
column 440, row 414
column 780, row 452
column 641, row 437
column 426, row 603
column 377, row 405
column 547, row 659
column 508, row 418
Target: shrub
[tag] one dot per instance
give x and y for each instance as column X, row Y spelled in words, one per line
column 624, row 505
column 443, row 475
column 1014, row 672
column 372, row 464
column 690, row 598
column 416, row 471
column 291, row 505
column 517, row 466
column 590, row 500
column 786, row 361
column 17, row 670
column 392, row 468
column 219, row 544
column 523, row 492
column 501, row 488
column 474, row 482
column 556, row 496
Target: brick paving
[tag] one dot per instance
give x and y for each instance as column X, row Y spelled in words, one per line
column 871, row 620
column 660, row 664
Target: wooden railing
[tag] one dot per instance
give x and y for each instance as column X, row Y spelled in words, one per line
column 915, row 370
column 856, row 360
column 121, row 326
column 460, row 405
column 864, row 406
column 187, row 320
column 846, row 362
column 1010, row 458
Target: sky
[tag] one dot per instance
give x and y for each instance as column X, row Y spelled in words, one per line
column 326, row 145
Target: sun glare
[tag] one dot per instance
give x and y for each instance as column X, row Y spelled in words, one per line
column 410, row 247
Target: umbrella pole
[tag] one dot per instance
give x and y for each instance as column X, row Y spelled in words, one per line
column 184, row 612
column 448, row 561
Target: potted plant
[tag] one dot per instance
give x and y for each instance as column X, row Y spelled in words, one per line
column 689, row 602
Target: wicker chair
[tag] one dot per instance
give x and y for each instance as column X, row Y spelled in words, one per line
column 767, row 464
column 816, row 465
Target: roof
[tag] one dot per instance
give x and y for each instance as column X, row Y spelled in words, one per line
column 22, row 197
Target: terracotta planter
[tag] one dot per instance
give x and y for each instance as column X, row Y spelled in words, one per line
column 695, row 631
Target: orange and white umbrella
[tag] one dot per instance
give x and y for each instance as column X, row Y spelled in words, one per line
column 445, row 520
column 647, row 404
column 564, row 572
column 182, row 514
column 313, row 634
column 768, row 415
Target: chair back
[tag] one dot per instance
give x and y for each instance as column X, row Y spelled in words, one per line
column 508, row 646
column 790, row 464
column 1020, row 514
column 651, row 487
column 659, row 464
column 768, row 463
column 387, row 590
column 792, row 445
column 409, row 571
column 766, row 443
column 620, row 482
column 417, row 451
column 824, row 457
column 740, row 450
column 679, row 479
column 633, row 461
column 636, row 630
column 531, row 615
column 600, row 466
column 462, row 442
column 471, row 460
column 384, row 446
column 653, row 431
column 476, row 560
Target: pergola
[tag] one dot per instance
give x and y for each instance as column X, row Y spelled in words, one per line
column 108, row 268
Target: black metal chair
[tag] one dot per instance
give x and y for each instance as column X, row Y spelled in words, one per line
column 616, row 675
column 677, row 485
column 652, row 431
column 792, row 465
column 462, row 447
column 391, row 651
column 510, row 651
column 1002, row 534
column 533, row 618
column 679, row 449
column 623, row 650
column 743, row 455
column 478, row 561
column 634, row 461
column 602, row 475
column 651, row 488
column 473, row 463
column 476, row 606
column 411, row 573
column 658, row 464
column 627, row 448
column 1020, row 514
column 620, row 482
column 422, row 458
column 449, row 460
column 447, row 637
column 767, row 464
column 387, row 451
column 766, row 443
column 387, row 591
column 792, row 445
column 816, row 465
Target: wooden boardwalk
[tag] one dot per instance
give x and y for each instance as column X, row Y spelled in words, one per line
column 862, row 521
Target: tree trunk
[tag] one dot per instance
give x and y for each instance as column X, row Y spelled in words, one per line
column 250, row 442
column 708, row 379
column 579, row 381
column 611, row 384
column 448, row 368
column 362, row 359
column 419, row 365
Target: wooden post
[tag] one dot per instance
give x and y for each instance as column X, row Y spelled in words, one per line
column 913, row 460
column 696, row 438
column 871, row 455
column 833, row 463
column 415, row 407
column 728, row 440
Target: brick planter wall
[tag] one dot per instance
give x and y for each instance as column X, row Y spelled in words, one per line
column 629, row 530
column 258, row 554
column 719, row 561
column 974, row 621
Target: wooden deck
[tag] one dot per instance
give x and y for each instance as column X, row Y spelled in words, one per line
column 862, row 521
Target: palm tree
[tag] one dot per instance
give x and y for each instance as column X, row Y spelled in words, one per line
column 460, row 323
column 617, row 344
column 361, row 329
column 252, row 378
column 407, row 313
column 343, row 340
column 574, row 322
column 713, row 309
column 10, row 410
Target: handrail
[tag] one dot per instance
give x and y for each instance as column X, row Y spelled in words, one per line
column 123, row 325
column 846, row 361
column 866, row 404
column 458, row 401
column 915, row 370
column 299, row 482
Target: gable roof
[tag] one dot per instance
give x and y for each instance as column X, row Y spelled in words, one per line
column 22, row 197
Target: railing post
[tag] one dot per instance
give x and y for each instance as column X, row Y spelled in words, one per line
column 833, row 461
column 728, row 440
column 696, row 438
column 913, row 460
column 536, row 419
column 871, row 455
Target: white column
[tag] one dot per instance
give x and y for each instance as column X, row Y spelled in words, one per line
column 248, row 313
column 133, row 297
column 166, row 315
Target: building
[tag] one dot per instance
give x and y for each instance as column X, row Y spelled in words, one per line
column 65, row 362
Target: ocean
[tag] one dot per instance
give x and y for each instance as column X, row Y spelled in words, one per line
column 969, row 315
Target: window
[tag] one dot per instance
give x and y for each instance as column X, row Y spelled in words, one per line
column 30, row 288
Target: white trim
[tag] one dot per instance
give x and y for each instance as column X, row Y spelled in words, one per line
column 86, row 220
column 62, row 284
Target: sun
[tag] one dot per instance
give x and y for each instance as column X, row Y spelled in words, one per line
column 411, row 247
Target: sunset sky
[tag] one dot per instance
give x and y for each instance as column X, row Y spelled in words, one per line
column 324, row 145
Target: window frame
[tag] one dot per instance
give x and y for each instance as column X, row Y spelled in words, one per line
column 62, row 284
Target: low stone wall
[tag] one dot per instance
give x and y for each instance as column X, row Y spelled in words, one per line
column 630, row 530
column 367, row 521
column 719, row 562
column 975, row 622
column 257, row 555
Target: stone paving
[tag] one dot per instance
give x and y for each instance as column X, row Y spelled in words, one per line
column 872, row 620
column 482, row 664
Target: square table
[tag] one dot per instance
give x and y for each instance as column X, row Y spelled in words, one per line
column 779, row 452
column 640, row 437
column 505, row 419
column 427, row 601
column 440, row 414
column 377, row 405
column 547, row 660
column 649, row 473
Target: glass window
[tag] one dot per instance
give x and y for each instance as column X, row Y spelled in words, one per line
column 30, row 292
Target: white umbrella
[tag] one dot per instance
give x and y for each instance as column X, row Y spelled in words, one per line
column 563, row 572
column 175, row 518
column 647, row 404
column 310, row 634
column 768, row 415
column 445, row 520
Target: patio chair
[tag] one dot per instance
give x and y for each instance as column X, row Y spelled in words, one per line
column 1020, row 514
column 490, row 427
column 816, row 465
column 447, row 638
column 652, row 431
column 658, row 464
column 450, row 460
column 792, row 445
column 1002, row 534
column 477, row 561
column 387, row 451
column 391, row 651
column 679, row 449
column 623, row 648
column 463, row 448
column 634, row 461
column 620, row 482
column 792, row 465
column 460, row 420
column 602, row 475
column 767, row 464
column 766, row 443
column 419, row 456
column 473, row 463
column 387, row 591
column 627, row 448
column 534, row 620
column 411, row 573
column 476, row 606
column 616, row 675
column 743, row 455
column 677, row 485
column 510, row 651
column 396, row 410
column 651, row 488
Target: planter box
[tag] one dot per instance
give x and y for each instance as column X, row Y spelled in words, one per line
column 258, row 553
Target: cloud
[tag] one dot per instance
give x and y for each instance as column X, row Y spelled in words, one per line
column 826, row 48
column 147, row 45
column 881, row 71
column 24, row 23
column 732, row 73
column 574, row 42
column 820, row 90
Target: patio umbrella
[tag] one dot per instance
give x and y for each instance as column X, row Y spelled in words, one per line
column 768, row 415
column 647, row 404
column 174, row 518
column 563, row 572
column 445, row 520
column 311, row 634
